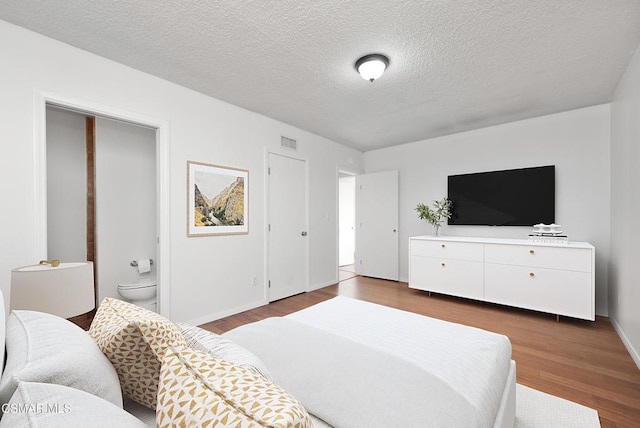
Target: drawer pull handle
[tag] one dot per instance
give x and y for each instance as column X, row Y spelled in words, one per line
column 531, row 274
column 442, row 264
column 532, row 252
column 443, row 245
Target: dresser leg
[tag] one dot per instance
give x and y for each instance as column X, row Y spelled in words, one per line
column 557, row 318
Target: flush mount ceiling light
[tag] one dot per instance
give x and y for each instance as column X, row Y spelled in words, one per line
column 372, row 66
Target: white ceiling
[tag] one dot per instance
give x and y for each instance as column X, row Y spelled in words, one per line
column 455, row 65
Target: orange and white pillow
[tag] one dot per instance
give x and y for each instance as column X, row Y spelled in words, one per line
column 135, row 341
column 198, row 389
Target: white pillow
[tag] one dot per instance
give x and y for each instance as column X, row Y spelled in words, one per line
column 218, row 346
column 47, row 405
column 49, row 349
column 2, row 331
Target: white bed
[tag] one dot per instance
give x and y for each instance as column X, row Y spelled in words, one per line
column 353, row 363
column 356, row 364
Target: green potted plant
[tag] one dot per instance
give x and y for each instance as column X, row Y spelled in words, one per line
column 435, row 216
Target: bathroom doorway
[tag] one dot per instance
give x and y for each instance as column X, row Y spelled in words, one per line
column 101, row 193
column 346, row 225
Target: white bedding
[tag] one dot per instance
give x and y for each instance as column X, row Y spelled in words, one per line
column 472, row 362
column 348, row 384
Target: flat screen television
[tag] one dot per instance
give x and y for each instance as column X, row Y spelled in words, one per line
column 514, row 197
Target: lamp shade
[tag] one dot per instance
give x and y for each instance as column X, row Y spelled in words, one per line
column 66, row 290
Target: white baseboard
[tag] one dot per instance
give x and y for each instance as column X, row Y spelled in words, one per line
column 227, row 313
column 320, row 285
column 233, row 311
column 627, row 343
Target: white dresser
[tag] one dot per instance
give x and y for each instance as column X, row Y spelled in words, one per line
column 559, row 279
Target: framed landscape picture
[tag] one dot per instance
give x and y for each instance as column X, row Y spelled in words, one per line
column 218, row 200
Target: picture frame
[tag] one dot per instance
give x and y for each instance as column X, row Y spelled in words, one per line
column 217, row 200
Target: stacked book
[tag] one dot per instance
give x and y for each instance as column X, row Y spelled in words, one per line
column 548, row 234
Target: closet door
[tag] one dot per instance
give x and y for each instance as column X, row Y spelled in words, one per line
column 287, row 226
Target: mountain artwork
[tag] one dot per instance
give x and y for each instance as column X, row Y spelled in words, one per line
column 218, row 200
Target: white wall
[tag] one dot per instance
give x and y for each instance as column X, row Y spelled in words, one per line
column 577, row 142
column 624, row 296
column 66, row 186
column 126, row 227
column 210, row 276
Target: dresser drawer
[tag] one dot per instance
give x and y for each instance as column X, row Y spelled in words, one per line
column 455, row 277
column 573, row 259
column 559, row 292
column 448, row 249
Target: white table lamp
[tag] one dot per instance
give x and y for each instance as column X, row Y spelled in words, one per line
column 63, row 289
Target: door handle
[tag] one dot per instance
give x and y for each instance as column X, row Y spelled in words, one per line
column 304, row 233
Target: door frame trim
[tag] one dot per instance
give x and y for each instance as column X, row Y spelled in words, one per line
column 163, row 189
column 267, row 197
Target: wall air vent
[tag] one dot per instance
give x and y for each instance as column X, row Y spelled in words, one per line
column 289, row 143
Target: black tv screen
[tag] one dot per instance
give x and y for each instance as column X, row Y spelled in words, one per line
column 515, row 197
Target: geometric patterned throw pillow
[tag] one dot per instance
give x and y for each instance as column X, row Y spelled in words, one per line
column 135, row 341
column 198, row 389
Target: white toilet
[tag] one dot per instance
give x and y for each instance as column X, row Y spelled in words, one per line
column 142, row 293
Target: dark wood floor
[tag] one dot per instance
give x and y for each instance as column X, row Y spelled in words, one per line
column 581, row 361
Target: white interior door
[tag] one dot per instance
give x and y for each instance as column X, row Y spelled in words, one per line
column 287, row 226
column 377, row 225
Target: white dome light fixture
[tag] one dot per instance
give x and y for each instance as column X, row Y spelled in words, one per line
column 372, row 66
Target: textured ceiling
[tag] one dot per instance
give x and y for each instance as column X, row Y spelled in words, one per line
column 455, row 65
